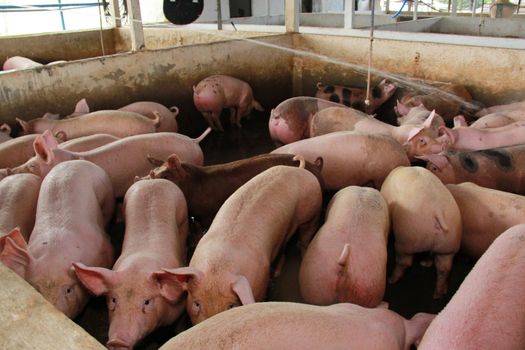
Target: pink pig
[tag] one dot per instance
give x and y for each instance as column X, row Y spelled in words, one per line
column 18, row 198
column 216, row 92
column 350, row 158
column 231, row 263
column 16, row 151
column 75, row 203
column 153, row 110
column 425, row 217
column 487, row 311
column 19, row 62
column 346, row 260
column 155, row 237
column 122, row 159
column 295, row 326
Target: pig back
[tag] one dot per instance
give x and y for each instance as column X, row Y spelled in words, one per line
column 357, row 217
column 485, row 214
column 487, row 311
column 16, row 151
column 18, row 200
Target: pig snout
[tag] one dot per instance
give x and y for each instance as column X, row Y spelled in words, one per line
column 118, row 344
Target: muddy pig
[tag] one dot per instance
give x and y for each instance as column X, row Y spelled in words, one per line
column 18, row 198
column 295, row 326
column 216, row 92
column 350, row 158
column 155, row 237
column 231, row 265
column 75, row 204
column 290, row 120
column 425, row 217
column 207, row 187
column 355, row 97
column 485, row 214
column 487, row 311
column 346, row 260
column 499, row 168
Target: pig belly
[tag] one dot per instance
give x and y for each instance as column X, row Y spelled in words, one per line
column 487, row 311
column 18, row 199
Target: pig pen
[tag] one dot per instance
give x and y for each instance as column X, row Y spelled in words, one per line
column 166, row 75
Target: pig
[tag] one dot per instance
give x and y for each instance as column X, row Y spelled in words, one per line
column 206, row 188
column 498, row 168
column 498, row 119
column 122, row 159
column 423, row 140
column 74, row 205
column 231, row 263
column 83, row 143
column 486, row 312
column 286, row 325
column 155, row 237
column 425, row 217
column 5, row 133
column 514, row 106
column 290, row 120
column 18, row 198
column 217, row 92
column 351, row 158
column 17, row 151
column 356, row 97
column 167, row 116
column 485, row 214
column 19, row 62
column 117, row 123
column 447, row 99
column 333, row 119
column 346, row 260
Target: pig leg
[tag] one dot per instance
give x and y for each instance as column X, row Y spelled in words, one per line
column 214, row 120
column 443, row 266
column 402, row 262
column 235, row 116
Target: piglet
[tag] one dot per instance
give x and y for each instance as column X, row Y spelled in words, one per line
column 425, row 217
column 295, row 326
column 487, row 311
column 485, row 214
column 290, row 120
column 117, row 123
column 19, row 62
column 351, row 158
column 75, row 204
column 355, row 97
column 231, row 263
column 122, row 159
column 155, row 237
column 18, row 198
column 207, row 187
column 346, row 260
column 498, row 168
column 216, row 92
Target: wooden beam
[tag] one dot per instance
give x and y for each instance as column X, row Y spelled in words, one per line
column 291, row 15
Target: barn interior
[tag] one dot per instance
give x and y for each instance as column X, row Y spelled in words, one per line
column 280, row 55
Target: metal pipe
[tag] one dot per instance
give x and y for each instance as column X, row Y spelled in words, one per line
column 219, row 15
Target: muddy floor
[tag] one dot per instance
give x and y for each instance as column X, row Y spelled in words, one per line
column 412, row 294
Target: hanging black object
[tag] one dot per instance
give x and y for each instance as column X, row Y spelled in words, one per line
column 182, row 11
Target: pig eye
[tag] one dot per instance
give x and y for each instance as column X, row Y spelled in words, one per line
column 422, row 142
column 112, row 303
column 147, row 303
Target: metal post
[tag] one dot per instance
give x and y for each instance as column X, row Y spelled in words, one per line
column 135, row 25
column 62, row 16
column 291, row 16
column 416, row 3
column 349, row 14
column 454, row 11
column 474, row 5
column 219, row 15
column 114, row 8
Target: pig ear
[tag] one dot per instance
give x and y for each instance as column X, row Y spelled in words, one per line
column 16, row 236
column 44, row 145
column 96, row 279
column 13, row 255
column 174, row 162
column 5, row 128
column 242, row 288
column 23, row 124
column 429, row 121
column 401, row 109
column 82, row 107
column 172, row 282
column 414, row 132
column 319, row 163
